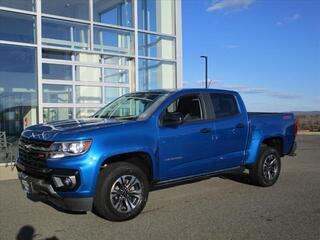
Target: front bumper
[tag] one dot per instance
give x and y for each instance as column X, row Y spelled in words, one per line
column 38, row 189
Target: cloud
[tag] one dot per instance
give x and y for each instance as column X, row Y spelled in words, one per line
column 186, row 84
column 248, row 90
column 211, row 82
column 220, row 5
column 283, row 95
column 231, row 46
column 295, row 17
column 244, row 89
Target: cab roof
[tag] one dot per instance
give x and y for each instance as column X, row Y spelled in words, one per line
column 188, row 90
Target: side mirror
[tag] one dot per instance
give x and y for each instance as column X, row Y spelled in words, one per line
column 174, row 118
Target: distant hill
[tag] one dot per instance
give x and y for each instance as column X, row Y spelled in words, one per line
column 309, row 121
column 306, row 113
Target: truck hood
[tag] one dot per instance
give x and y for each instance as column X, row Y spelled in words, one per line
column 52, row 130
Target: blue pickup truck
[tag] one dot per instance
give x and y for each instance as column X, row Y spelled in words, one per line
column 110, row 161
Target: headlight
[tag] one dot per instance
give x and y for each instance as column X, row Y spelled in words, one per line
column 64, row 149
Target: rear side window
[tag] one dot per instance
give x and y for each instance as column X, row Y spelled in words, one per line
column 225, row 105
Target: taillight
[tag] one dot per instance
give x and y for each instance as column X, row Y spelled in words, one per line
column 295, row 127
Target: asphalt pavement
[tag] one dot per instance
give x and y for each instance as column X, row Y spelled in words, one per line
column 216, row 208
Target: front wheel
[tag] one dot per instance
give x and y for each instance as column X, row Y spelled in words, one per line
column 266, row 171
column 122, row 192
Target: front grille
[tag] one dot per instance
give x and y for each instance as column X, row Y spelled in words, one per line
column 34, row 153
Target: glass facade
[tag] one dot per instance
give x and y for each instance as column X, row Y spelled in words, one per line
column 157, row 16
column 18, row 88
column 157, row 46
column 113, row 12
column 54, row 93
column 21, row 27
column 73, row 9
column 28, row 5
column 56, row 114
column 67, row 59
column 65, row 34
column 155, row 74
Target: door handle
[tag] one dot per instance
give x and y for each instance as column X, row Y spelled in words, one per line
column 205, row 130
column 240, row 125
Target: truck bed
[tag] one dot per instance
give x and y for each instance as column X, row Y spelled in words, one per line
column 264, row 125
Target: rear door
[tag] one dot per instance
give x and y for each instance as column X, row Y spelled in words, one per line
column 231, row 129
column 186, row 149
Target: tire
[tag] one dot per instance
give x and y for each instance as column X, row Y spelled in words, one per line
column 267, row 169
column 122, row 192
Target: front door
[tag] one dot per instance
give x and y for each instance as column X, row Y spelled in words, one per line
column 186, row 149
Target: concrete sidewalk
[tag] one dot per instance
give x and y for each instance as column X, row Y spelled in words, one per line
column 8, row 172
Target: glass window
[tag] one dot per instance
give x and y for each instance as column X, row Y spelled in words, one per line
column 109, row 40
column 151, row 45
column 88, row 58
column 56, row 54
column 88, row 94
column 113, row 12
column 18, row 88
column 28, row 5
column 156, row 75
column 189, row 106
column 115, row 60
column 17, row 27
column 225, row 105
column 64, row 34
column 88, row 74
column 85, row 112
column 56, row 71
column 112, row 93
column 66, row 8
column 57, row 93
column 156, row 16
column 116, row 75
column 56, row 114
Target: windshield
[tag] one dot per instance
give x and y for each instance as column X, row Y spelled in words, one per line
column 130, row 106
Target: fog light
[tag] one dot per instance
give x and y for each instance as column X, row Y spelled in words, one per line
column 67, row 182
column 64, row 181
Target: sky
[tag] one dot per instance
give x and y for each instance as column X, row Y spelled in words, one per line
column 268, row 50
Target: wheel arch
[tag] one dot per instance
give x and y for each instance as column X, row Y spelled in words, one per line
column 141, row 159
column 274, row 142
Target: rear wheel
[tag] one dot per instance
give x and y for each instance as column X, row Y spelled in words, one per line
column 266, row 171
column 122, row 192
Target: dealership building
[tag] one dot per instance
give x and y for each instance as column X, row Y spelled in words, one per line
column 63, row 59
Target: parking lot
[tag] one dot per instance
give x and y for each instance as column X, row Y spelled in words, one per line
column 216, row 208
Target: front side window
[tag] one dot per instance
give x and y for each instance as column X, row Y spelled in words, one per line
column 225, row 105
column 189, row 106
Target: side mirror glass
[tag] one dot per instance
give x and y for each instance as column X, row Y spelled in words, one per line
column 174, row 118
